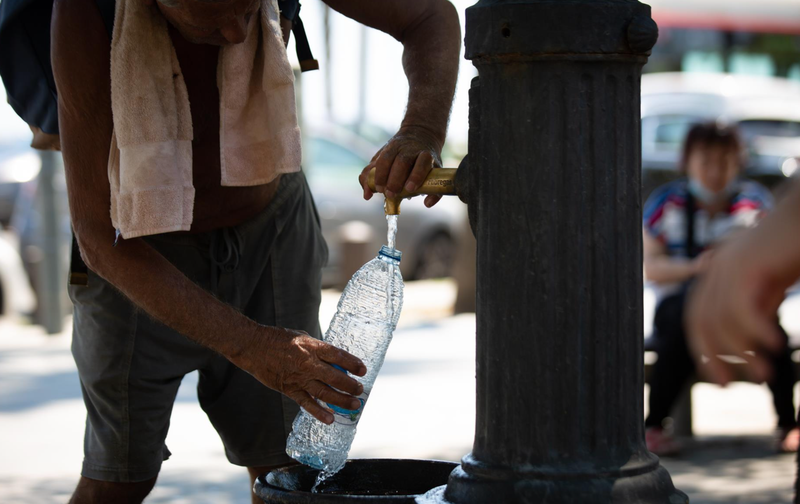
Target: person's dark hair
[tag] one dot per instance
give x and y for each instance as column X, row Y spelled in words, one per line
column 710, row 135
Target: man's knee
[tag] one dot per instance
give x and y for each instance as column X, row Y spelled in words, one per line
column 91, row 491
column 255, row 472
column 258, row 471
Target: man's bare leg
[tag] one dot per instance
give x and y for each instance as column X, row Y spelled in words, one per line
column 91, row 491
column 255, row 472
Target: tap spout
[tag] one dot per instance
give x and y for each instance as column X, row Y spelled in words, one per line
column 439, row 181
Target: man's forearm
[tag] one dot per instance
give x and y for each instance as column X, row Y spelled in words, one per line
column 431, row 36
column 430, row 60
column 156, row 286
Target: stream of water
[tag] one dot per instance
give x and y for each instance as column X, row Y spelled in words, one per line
column 322, row 476
column 392, row 232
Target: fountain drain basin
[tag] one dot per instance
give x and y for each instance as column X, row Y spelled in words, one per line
column 361, row 480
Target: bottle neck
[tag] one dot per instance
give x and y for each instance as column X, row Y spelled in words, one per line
column 390, row 255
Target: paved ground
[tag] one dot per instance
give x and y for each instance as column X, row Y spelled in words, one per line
column 430, row 363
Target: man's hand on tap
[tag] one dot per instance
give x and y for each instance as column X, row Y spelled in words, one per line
column 404, row 163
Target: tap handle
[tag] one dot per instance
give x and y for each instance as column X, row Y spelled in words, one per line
column 439, row 181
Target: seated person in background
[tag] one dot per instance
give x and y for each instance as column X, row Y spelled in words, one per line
column 683, row 221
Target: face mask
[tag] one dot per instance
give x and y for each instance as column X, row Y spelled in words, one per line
column 708, row 197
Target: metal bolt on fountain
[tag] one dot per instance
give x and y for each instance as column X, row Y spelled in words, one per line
column 552, row 183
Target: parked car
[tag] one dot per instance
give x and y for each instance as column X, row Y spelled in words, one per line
column 18, row 162
column 27, row 223
column 16, row 295
column 334, row 158
column 766, row 110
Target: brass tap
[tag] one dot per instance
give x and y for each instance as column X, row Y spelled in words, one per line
column 439, row 181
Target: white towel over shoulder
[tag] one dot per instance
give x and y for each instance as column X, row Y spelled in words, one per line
column 150, row 163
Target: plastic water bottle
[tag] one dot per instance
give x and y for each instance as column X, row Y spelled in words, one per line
column 363, row 326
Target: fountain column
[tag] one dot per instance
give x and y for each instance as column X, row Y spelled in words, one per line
column 554, row 195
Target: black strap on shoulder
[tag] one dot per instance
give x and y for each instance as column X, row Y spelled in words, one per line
column 107, row 10
column 307, row 61
column 290, row 9
column 691, row 243
column 692, row 250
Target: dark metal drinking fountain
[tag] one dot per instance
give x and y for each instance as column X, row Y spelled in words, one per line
column 553, row 188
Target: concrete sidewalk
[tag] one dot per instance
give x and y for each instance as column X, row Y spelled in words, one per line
column 430, row 365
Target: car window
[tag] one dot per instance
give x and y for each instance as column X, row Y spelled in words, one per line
column 332, row 164
column 773, row 128
column 666, row 132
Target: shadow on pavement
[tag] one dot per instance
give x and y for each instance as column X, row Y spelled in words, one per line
column 172, row 487
column 43, row 490
column 733, row 469
column 23, row 391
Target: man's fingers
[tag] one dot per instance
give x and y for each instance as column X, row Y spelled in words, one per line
column 312, row 407
column 350, row 362
column 398, row 175
column 703, row 340
column 363, row 179
column 758, row 368
column 327, row 394
column 759, row 337
column 744, row 328
column 717, row 371
column 730, row 329
column 721, row 327
column 422, row 167
column 763, row 328
column 432, row 199
column 764, row 334
column 383, row 165
column 338, row 379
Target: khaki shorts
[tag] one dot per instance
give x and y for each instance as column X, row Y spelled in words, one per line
column 131, row 366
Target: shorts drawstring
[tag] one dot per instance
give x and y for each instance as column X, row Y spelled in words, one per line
column 225, row 252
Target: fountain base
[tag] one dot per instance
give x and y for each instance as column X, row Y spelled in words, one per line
column 361, row 480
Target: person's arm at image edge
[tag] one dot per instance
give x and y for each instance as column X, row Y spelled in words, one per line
column 431, row 36
column 733, row 308
column 288, row 361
